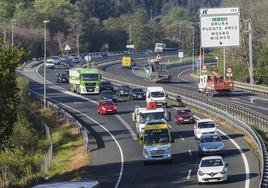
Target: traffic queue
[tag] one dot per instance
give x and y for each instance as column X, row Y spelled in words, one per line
column 152, row 122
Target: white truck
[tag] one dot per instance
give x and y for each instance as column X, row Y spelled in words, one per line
column 141, row 116
column 156, row 94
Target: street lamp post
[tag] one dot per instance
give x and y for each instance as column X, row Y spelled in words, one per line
column 45, row 61
column 193, row 49
column 12, row 31
column 217, row 61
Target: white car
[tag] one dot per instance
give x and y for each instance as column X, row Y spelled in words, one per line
column 212, row 169
column 204, row 126
column 50, row 64
column 54, row 59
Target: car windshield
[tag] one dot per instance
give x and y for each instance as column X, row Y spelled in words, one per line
column 89, row 77
column 152, row 116
column 156, row 136
column 182, row 112
column 137, row 91
column 157, row 94
column 107, row 103
column 211, row 162
column 205, row 125
column 213, row 138
column 125, row 87
column 106, row 83
column 155, row 123
column 107, row 94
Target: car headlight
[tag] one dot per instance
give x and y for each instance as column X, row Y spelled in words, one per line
column 134, row 95
column 200, row 173
column 103, row 108
column 146, row 152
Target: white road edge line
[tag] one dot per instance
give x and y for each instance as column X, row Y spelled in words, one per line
column 189, row 174
column 93, row 120
column 117, row 143
column 245, row 160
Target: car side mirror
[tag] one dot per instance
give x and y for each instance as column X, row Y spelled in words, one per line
column 172, row 140
column 226, row 165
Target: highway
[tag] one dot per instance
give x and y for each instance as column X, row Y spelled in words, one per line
column 116, row 157
column 182, row 79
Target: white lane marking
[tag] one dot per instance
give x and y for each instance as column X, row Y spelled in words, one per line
column 133, row 134
column 181, row 138
column 113, row 137
column 233, row 98
column 179, row 76
column 253, row 106
column 245, row 160
column 140, row 75
column 259, row 98
column 189, row 174
column 190, row 152
column 247, row 182
column 63, row 90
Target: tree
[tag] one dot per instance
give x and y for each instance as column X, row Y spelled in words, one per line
column 141, row 36
column 262, row 66
column 9, row 61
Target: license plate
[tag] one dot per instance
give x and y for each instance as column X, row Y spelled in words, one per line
column 109, row 110
column 186, row 120
column 139, row 96
column 90, row 89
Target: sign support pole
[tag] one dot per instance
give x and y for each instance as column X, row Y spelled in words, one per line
column 224, row 62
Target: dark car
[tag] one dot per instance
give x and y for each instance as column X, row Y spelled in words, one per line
column 123, row 90
column 108, row 95
column 66, row 70
column 105, row 85
column 184, row 116
column 137, row 93
column 62, row 78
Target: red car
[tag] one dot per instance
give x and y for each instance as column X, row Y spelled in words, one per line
column 107, row 107
column 184, row 116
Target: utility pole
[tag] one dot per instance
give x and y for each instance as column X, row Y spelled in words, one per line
column 130, row 34
column 12, row 32
column 250, row 63
column 78, row 37
column 45, row 61
column 193, row 49
column 251, row 71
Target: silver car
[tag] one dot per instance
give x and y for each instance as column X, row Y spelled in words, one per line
column 210, row 144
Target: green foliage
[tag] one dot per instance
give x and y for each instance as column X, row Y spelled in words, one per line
column 9, row 61
column 46, row 5
column 262, row 66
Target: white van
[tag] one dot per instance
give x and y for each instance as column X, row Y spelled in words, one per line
column 156, row 93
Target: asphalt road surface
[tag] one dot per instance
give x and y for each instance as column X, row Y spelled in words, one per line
column 116, row 157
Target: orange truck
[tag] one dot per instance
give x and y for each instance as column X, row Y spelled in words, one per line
column 214, row 83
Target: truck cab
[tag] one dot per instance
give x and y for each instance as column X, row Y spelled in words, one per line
column 156, row 94
column 127, row 61
column 141, row 116
column 84, row 80
column 157, row 141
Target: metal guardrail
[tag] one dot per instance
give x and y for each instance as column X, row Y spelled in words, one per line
column 236, row 116
column 67, row 116
column 261, row 90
